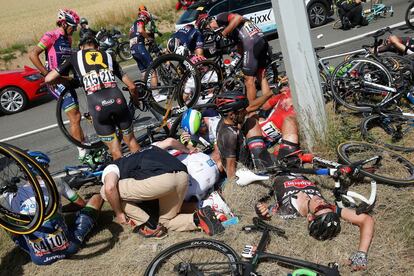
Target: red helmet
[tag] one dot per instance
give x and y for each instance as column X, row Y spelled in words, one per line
column 68, row 16
column 144, row 16
column 202, row 21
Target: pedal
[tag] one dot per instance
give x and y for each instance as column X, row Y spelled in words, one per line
column 248, row 251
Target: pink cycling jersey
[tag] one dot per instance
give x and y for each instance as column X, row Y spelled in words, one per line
column 57, row 47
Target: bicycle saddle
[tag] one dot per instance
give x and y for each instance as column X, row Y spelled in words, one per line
column 381, row 32
column 246, row 177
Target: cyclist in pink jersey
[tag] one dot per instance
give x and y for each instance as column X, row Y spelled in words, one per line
column 57, row 46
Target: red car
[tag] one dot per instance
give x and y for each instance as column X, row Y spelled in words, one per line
column 19, row 87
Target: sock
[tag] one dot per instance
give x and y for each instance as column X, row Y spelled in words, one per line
column 82, row 152
column 286, row 148
column 196, row 220
column 261, row 157
column 151, row 223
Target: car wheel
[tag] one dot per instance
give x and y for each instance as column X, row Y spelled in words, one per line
column 12, row 100
column 318, row 14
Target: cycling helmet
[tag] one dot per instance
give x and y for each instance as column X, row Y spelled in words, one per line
column 173, row 44
column 191, row 121
column 144, row 16
column 325, row 226
column 83, row 21
column 202, row 21
column 68, row 16
column 231, row 101
column 41, row 158
column 89, row 38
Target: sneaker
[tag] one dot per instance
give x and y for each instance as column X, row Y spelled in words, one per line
column 208, row 221
column 159, row 233
column 217, row 204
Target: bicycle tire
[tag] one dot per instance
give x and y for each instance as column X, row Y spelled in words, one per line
column 409, row 13
column 93, row 141
column 52, row 191
column 174, row 74
column 124, row 51
column 13, row 222
column 211, row 81
column 230, row 259
column 346, row 85
column 393, row 169
column 389, row 131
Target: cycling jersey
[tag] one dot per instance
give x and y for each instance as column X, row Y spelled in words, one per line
column 286, row 188
column 203, row 174
column 255, row 46
column 54, row 240
column 137, row 45
column 190, row 37
column 272, row 126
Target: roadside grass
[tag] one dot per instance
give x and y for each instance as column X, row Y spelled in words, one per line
column 115, row 250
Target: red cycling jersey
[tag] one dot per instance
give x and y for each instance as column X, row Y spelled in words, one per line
column 282, row 108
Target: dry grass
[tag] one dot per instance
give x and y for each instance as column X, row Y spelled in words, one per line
column 25, row 21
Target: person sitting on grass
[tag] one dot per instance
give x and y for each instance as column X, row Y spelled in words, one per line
column 297, row 196
column 54, row 240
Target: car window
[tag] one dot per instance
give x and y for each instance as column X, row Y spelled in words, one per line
column 242, row 4
column 188, row 16
column 219, row 8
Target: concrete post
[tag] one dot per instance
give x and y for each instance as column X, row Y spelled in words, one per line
column 301, row 67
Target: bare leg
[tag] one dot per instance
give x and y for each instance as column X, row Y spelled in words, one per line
column 290, row 130
column 114, row 148
column 74, row 117
column 131, row 142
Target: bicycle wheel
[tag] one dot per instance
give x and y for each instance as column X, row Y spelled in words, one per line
column 196, row 257
column 211, row 80
column 45, row 180
column 392, row 131
column 348, row 84
column 21, row 197
column 392, row 168
column 91, row 140
column 174, row 81
column 409, row 16
column 124, row 51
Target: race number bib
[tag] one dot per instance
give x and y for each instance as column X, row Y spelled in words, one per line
column 94, row 81
column 271, row 131
column 50, row 243
column 251, row 28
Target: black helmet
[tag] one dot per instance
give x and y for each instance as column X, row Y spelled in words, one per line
column 231, row 101
column 173, row 44
column 88, row 38
column 325, row 226
column 83, row 21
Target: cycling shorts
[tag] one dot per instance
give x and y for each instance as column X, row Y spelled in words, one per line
column 255, row 56
column 70, row 100
column 109, row 110
column 141, row 56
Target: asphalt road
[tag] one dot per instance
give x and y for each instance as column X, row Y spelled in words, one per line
column 51, row 141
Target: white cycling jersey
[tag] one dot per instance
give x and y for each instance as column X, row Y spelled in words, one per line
column 203, row 174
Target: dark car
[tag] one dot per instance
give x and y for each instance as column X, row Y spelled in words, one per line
column 19, row 87
column 258, row 11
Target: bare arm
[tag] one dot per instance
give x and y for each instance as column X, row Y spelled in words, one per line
column 230, row 167
column 52, row 76
column 171, row 143
column 130, row 84
column 234, row 22
column 141, row 30
column 112, row 195
column 34, row 58
column 366, row 227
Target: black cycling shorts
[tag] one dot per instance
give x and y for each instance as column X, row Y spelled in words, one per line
column 109, row 110
column 255, row 56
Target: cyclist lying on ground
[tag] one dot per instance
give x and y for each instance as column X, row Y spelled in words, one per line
column 296, row 196
column 149, row 174
column 402, row 45
column 106, row 103
column 54, row 240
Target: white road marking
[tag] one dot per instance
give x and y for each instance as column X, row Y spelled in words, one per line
column 396, row 25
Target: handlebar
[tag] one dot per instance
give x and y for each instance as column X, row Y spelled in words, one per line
column 382, row 32
column 260, row 225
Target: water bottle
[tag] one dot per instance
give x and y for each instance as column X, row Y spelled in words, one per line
column 227, row 65
column 236, row 57
column 410, row 96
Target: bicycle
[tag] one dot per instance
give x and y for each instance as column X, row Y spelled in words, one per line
column 392, row 129
column 92, row 141
column 409, row 16
column 19, row 173
column 173, row 261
